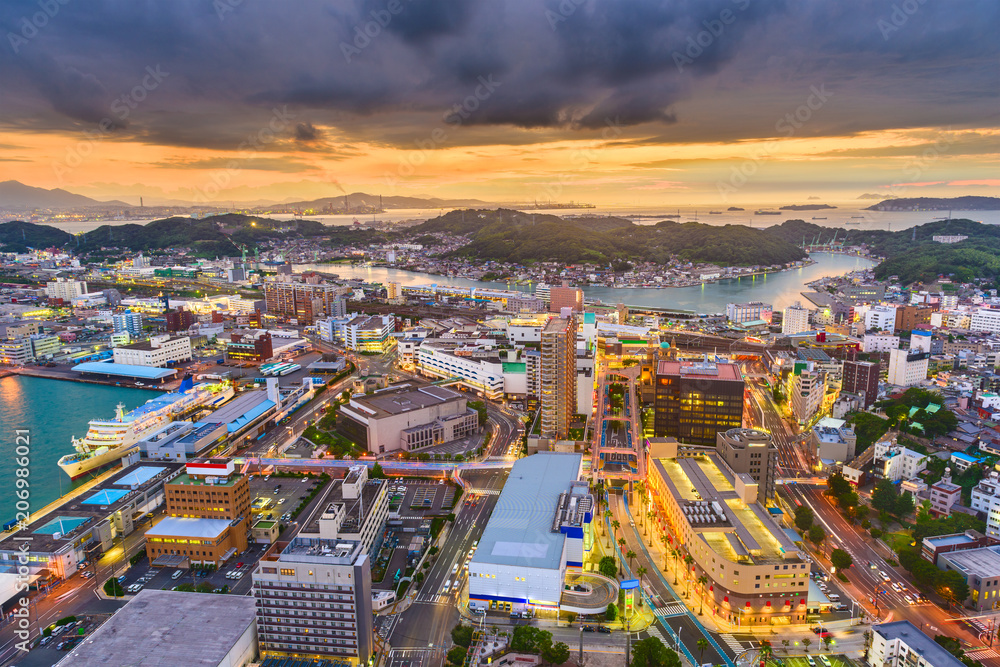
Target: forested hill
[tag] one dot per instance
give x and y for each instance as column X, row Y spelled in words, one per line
column 18, row 236
column 969, row 203
column 514, row 236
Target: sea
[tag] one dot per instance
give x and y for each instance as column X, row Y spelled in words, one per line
column 52, row 411
column 781, row 289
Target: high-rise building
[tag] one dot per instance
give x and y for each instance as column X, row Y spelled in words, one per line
column 64, row 289
column 249, row 345
column 808, row 388
column 795, row 320
column 314, row 598
column 907, row 367
column 913, row 317
column 694, row 401
column 208, row 516
column 565, row 297
column 861, row 378
column 558, row 377
column 750, row 452
column 303, row 302
column 179, row 319
column 127, row 322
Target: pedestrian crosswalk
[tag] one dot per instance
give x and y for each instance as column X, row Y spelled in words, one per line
column 485, row 492
column 731, row 642
column 655, row 632
column 986, row 653
column 672, row 609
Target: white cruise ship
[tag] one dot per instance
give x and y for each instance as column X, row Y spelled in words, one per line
column 108, row 440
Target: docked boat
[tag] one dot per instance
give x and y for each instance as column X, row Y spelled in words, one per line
column 109, row 440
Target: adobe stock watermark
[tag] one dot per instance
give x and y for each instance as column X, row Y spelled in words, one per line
column 121, row 108
column 21, row 613
column 564, row 10
column 366, row 32
column 714, row 29
column 582, row 158
column 786, row 125
column 223, row 7
column 452, row 118
column 31, row 25
column 248, row 149
column 898, row 17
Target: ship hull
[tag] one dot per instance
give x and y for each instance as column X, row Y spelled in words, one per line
column 80, row 467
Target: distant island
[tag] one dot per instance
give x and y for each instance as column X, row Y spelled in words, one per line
column 735, row 208
column 969, row 203
column 806, row 207
column 872, row 195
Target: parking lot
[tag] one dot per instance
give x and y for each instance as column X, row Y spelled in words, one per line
column 290, row 492
column 818, row 660
column 419, row 497
column 236, row 574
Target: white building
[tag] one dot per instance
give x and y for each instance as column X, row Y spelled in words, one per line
column 64, row 289
column 127, row 322
column 986, row 499
column 881, row 318
column 879, row 343
column 907, row 367
column 902, row 644
column 795, row 320
column 921, row 340
column 540, row 528
column 16, row 352
column 754, row 311
column 90, row 300
column 895, row 462
column 808, row 388
column 477, row 363
column 157, row 352
column 986, row 319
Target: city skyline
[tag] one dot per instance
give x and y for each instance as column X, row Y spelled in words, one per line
column 612, row 103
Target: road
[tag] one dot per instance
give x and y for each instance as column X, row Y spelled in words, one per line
column 762, row 413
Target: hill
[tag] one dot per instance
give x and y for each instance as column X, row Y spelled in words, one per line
column 806, row 207
column 362, row 199
column 513, row 236
column 18, row 236
column 17, row 195
column 970, row 203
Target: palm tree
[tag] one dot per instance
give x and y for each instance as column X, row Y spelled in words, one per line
column 650, row 515
column 702, row 580
column 666, row 550
column 702, row 645
column 621, row 548
column 607, row 515
column 616, row 525
column 640, row 572
column 687, row 578
column 677, row 557
column 630, row 555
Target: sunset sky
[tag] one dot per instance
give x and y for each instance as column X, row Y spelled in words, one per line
column 650, row 102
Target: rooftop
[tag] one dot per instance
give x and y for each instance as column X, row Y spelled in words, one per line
column 400, row 398
column 940, row 541
column 167, row 628
column 242, row 410
column 124, row 370
column 356, row 510
column 178, row 526
column 983, row 562
column 148, row 344
column 319, row 550
column 519, row 532
column 715, row 371
column 918, row 642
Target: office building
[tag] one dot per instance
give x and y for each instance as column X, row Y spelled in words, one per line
column 750, row 452
column 16, row 352
column 861, row 378
column 302, row 302
column 986, row 319
column 157, row 352
column 881, row 318
column 408, row 417
column 754, row 312
column 127, row 322
column 208, row 516
column 253, row 345
column 879, row 342
column 540, row 529
column 565, row 297
column 314, row 599
column 158, row 627
column 808, row 386
column 364, row 333
column 913, row 317
column 478, row 365
column 756, row 575
column 693, row 401
column 558, row 375
column 795, row 320
column 44, row 346
column 933, row 547
column 354, row 508
column 833, row 441
column 902, row 644
column 907, row 367
column 64, row 289
column 895, row 462
column 981, row 570
column 181, row 441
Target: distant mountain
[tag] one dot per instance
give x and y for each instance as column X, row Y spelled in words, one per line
column 17, row 195
column 362, row 199
column 970, row 203
column 806, row 207
column 870, row 195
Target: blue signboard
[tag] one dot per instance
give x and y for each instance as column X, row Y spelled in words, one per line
column 629, row 584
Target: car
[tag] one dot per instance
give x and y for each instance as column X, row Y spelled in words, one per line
column 909, row 600
column 601, row 628
column 237, row 575
column 515, row 614
column 811, row 661
column 239, row 565
column 267, row 477
column 45, row 640
column 885, row 577
column 588, row 628
column 895, row 587
column 825, row 660
column 281, row 501
column 824, row 633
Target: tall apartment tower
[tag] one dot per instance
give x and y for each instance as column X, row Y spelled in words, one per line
column 750, row 452
column 861, row 378
column 795, row 320
column 314, row 598
column 558, row 376
column 695, row 400
column 303, row 302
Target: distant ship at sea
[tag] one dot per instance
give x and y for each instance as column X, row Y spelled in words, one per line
column 763, row 212
column 816, row 218
column 715, row 212
column 852, row 222
column 109, row 440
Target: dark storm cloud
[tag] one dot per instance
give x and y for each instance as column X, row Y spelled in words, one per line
column 391, row 71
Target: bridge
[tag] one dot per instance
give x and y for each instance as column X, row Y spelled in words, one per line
column 387, row 464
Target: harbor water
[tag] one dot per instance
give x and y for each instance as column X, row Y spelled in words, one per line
column 52, row 411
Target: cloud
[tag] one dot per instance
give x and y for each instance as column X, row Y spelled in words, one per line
column 305, row 132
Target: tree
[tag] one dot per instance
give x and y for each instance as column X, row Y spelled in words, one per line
column 607, row 515
column 650, row 652
column 904, row 505
column 925, row 573
column 555, row 654
column 621, row 547
column 841, row 559
column 827, row 641
column 806, row 642
column 702, row 645
column 884, row 496
column 630, row 555
column 952, row 586
column 803, row 517
column 456, row 655
column 616, row 524
column 462, row 635
column 837, row 485
column 640, row 572
column 608, row 567
column 702, row 580
column 816, row 535
column 612, row 612
column 480, row 408
column 113, row 588
column 666, row 549
column 377, row 472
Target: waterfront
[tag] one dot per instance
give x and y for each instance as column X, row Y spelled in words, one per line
column 53, row 411
column 779, row 289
